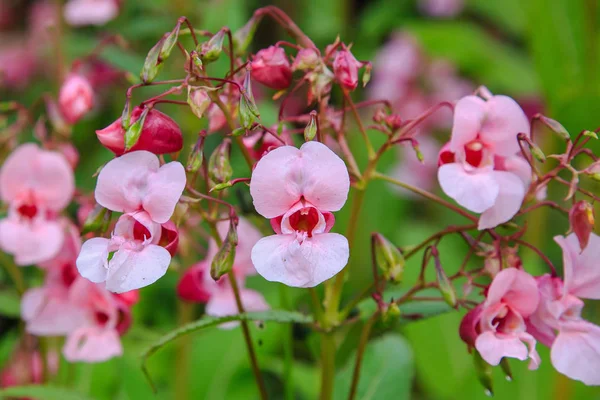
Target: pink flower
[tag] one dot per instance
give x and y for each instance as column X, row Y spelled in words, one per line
column 298, row 189
column 197, row 285
column 136, row 181
column 25, row 365
column 481, row 167
column 345, row 69
column 17, row 65
column 160, row 134
column 557, row 322
column 37, row 185
column 271, row 67
column 442, row 8
column 76, row 98
column 512, row 297
column 90, row 12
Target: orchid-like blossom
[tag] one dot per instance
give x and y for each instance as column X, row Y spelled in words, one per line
column 198, row 286
column 574, row 342
column 37, row 184
column 90, row 12
column 298, row 189
column 511, row 298
column 481, row 167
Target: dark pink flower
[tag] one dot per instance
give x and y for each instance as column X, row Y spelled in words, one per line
column 271, row 67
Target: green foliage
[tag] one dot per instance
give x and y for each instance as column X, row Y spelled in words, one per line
column 42, row 392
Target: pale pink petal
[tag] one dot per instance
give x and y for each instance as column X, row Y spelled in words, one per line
column 325, row 178
column 493, row 348
column 17, row 171
column 92, row 344
column 164, row 190
column 31, row 242
column 90, row 12
column 125, row 226
column 576, row 352
column 92, row 262
column 509, row 200
column 469, row 115
column 224, row 304
column 476, row 191
column 276, row 182
column 581, row 268
column 503, row 122
column 516, row 288
column 46, row 314
column 281, row 258
column 129, row 270
column 520, row 167
column 122, row 183
column 534, row 357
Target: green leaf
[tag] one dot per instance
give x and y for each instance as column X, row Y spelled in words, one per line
column 386, row 372
column 280, row 316
column 42, row 393
column 10, row 304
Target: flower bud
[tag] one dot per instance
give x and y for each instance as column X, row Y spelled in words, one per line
column 591, row 134
column 469, row 325
column 311, row 129
column 133, row 133
column 199, row 100
column 223, row 261
column 219, row 167
column 211, row 50
column 345, row 69
column 196, row 156
column 484, row 373
column 243, row 36
column 271, row 67
column 444, row 283
column 367, row 74
column 153, row 63
column 191, row 286
column 320, row 84
column 76, row 98
column 221, row 186
column 537, row 153
column 97, row 220
column 505, row 365
column 388, row 258
column 391, row 313
column 581, row 218
column 556, row 127
column 159, row 134
column 248, row 110
column 306, row 59
column 169, row 42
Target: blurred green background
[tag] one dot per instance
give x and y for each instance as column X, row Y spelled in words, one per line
column 541, row 49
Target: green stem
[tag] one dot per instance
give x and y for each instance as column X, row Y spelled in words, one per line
column 288, row 347
column 14, row 272
column 360, row 351
column 327, row 365
column 182, row 362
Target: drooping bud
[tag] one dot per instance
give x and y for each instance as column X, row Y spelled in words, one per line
column 211, row 50
column 484, row 373
column 76, row 98
column 223, row 261
column 306, row 59
column 219, row 167
column 133, row 133
column 505, row 365
column 169, row 42
column 159, row 134
column 388, row 258
column 556, row 127
column 367, row 74
column 248, row 111
column 153, row 63
column 271, row 67
column 196, row 156
column 311, row 129
column 243, row 36
column 97, row 220
column 444, row 283
column 581, row 218
column 199, row 100
column 537, row 153
column 345, row 68
column 591, row 134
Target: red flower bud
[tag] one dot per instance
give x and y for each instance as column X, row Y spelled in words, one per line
column 345, row 69
column 271, row 67
column 160, row 134
column 191, row 286
column 76, row 98
column 581, row 217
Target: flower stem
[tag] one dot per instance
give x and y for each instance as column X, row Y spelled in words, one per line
column 288, row 347
column 363, row 132
column 360, row 351
column 327, row 365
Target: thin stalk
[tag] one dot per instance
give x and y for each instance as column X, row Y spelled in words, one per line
column 363, row 132
column 15, row 273
column 288, row 347
column 327, row 365
column 360, row 351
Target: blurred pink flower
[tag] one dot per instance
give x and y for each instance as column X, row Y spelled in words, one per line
column 442, row 8
column 271, row 67
column 25, row 366
column 298, row 189
column 557, row 321
column 76, row 98
column 17, row 64
column 37, row 184
column 511, row 298
column 90, row 12
column 345, row 69
column 481, row 167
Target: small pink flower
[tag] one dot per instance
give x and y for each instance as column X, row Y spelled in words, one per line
column 345, row 69
column 512, row 297
column 76, row 98
column 298, row 189
column 37, row 185
column 271, row 67
column 90, row 12
column 160, row 134
column 481, row 167
column 557, row 322
column 136, row 181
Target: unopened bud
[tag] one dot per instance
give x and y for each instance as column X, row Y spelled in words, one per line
column 76, row 97
column 134, row 132
column 223, row 261
column 199, row 100
column 221, row 186
column 367, row 74
column 595, row 176
column 345, row 68
column 153, row 64
column 556, row 127
column 97, row 220
column 306, row 59
column 581, row 218
column 591, row 134
column 504, row 364
column 444, row 283
column 169, row 43
column 196, row 156
column 388, row 258
column 418, row 152
column 484, row 373
column 537, row 152
column 211, row 50
column 219, row 167
column 248, row 110
column 243, row 36
column 391, row 313
column 311, row 129
column 271, row 67
column 126, row 115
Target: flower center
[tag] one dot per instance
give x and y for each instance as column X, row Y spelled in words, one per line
column 305, row 220
column 101, row 318
column 507, row 321
column 474, row 153
column 140, row 232
column 28, row 210
column 68, row 274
